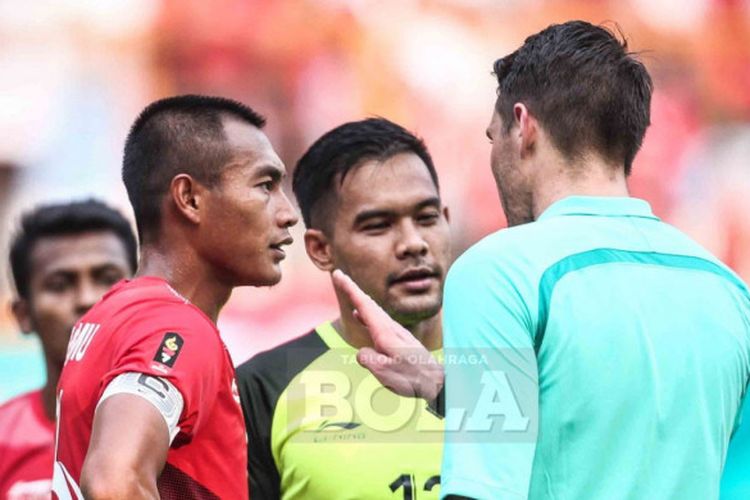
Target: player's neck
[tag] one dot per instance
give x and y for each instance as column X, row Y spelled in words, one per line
column 429, row 331
column 188, row 276
column 588, row 177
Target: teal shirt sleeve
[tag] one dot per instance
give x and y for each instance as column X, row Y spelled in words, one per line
column 735, row 481
column 491, row 381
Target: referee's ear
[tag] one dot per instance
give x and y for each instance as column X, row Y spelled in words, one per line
column 319, row 249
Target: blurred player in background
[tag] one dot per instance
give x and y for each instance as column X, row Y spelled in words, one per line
column 618, row 350
column 64, row 257
column 368, row 192
column 147, row 400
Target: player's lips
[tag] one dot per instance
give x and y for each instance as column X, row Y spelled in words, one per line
column 276, row 247
column 416, row 279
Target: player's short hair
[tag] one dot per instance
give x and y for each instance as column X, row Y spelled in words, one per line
column 342, row 149
column 583, row 85
column 64, row 219
column 182, row 134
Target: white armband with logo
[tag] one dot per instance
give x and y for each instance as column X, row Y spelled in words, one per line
column 158, row 391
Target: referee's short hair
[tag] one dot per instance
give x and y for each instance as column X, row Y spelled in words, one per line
column 583, row 85
column 328, row 161
column 182, row 134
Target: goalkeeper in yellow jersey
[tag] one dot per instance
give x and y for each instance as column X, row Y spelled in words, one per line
column 316, row 419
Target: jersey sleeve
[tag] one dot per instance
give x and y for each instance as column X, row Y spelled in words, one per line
column 491, row 392
column 258, row 402
column 735, row 482
column 175, row 343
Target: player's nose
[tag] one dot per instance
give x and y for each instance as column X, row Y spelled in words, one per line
column 288, row 215
column 411, row 242
column 87, row 294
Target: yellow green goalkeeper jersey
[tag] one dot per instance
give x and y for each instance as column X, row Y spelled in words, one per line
column 322, row 427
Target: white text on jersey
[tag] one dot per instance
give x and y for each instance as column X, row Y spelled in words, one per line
column 80, row 338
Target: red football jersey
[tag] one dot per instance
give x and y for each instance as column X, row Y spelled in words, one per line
column 145, row 326
column 27, row 444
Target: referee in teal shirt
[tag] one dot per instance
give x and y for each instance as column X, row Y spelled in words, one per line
column 634, row 339
column 591, row 350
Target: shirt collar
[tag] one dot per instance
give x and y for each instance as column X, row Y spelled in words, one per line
column 603, row 206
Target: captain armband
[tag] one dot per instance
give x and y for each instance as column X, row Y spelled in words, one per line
column 158, row 391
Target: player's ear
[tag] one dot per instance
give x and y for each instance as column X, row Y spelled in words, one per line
column 319, row 249
column 22, row 312
column 187, row 194
column 528, row 128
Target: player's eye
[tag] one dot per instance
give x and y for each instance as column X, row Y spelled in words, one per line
column 428, row 218
column 376, row 226
column 57, row 284
column 266, row 186
column 109, row 276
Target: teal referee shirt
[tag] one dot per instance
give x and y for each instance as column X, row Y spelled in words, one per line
column 596, row 353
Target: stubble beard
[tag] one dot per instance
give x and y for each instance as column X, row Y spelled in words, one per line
column 517, row 204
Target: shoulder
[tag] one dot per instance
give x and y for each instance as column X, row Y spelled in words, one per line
column 17, row 405
column 507, row 258
column 159, row 315
column 153, row 300
column 528, row 245
column 284, row 361
column 20, row 418
column 154, row 327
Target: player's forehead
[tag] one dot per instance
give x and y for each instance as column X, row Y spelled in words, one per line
column 249, row 147
column 399, row 182
column 77, row 252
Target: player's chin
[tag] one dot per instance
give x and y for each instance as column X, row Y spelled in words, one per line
column 414, row 309
column 271, row 278
column 268, row 275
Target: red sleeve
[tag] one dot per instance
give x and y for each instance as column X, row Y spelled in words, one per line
column 175, row 342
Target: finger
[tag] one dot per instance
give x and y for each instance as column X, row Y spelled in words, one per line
column 356, row 315
column 386, row 334
column 369, row 312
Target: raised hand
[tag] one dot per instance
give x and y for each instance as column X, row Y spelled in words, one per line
column 398, row 360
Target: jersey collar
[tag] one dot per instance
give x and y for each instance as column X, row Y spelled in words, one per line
column 333, row 339
column 601, row 206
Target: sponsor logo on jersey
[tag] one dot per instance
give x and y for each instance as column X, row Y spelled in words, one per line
column 334, row 432
column 169, row 349
column 327, row 426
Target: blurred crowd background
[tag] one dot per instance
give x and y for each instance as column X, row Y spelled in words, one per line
column 75, row 73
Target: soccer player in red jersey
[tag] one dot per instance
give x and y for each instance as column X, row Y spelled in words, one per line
column 147, row 401
column 63, row 258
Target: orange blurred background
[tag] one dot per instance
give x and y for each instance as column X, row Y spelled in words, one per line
column 76, row 73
